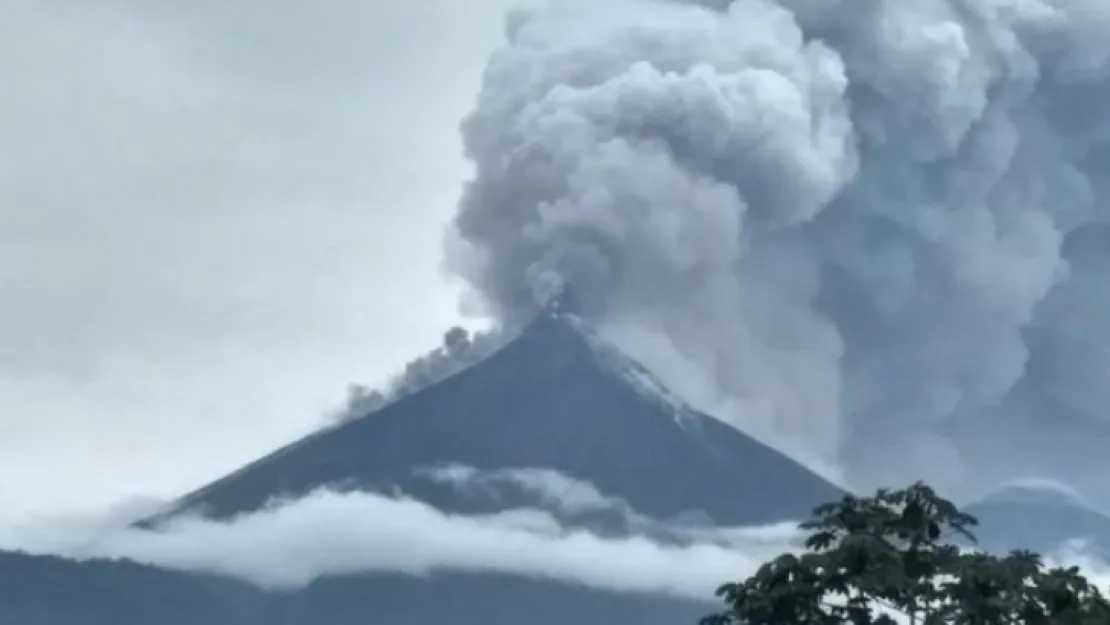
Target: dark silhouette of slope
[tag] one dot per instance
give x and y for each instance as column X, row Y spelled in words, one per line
column 1039, row 519
column 473, row 600
column 557, row 398
column 51, row 591
column 47, row 590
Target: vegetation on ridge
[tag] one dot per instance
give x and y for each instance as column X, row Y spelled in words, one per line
column 889, row 559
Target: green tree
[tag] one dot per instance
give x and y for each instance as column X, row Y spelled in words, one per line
column 891, row 558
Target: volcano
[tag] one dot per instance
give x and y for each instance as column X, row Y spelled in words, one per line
column 558, row 398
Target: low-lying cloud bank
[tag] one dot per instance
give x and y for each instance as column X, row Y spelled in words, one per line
column 291, row 543
column 325, row 533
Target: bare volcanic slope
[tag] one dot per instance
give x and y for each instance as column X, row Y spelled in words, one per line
column 556, row 397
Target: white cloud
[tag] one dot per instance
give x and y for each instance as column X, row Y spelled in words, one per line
column 328, row 533
column 211, row 220
column 560, row 493
column 291, row 543
column 553, row 488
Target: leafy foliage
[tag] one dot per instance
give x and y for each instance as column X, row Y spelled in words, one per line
column 885, row 559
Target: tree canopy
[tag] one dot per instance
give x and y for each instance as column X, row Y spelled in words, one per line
column 892, row 558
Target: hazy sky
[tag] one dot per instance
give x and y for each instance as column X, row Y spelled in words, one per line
column 213, row 217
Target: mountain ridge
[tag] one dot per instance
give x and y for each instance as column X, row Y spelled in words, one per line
column 555, row 396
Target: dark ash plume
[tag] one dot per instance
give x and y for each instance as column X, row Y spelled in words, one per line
column 848, row 217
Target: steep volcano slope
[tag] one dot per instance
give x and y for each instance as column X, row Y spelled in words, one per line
column 556, row 397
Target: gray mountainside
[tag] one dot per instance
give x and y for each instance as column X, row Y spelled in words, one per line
column 559, row 398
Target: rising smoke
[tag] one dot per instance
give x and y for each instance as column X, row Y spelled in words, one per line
column 461, row 348
column 855, row 220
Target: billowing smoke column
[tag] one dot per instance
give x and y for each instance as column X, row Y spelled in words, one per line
column 852, row 219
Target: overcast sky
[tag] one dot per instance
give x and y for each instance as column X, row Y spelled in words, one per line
column 213, row 216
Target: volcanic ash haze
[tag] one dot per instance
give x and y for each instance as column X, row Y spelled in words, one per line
column 849, row 220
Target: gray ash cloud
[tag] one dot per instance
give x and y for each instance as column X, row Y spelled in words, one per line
column 852, row 220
